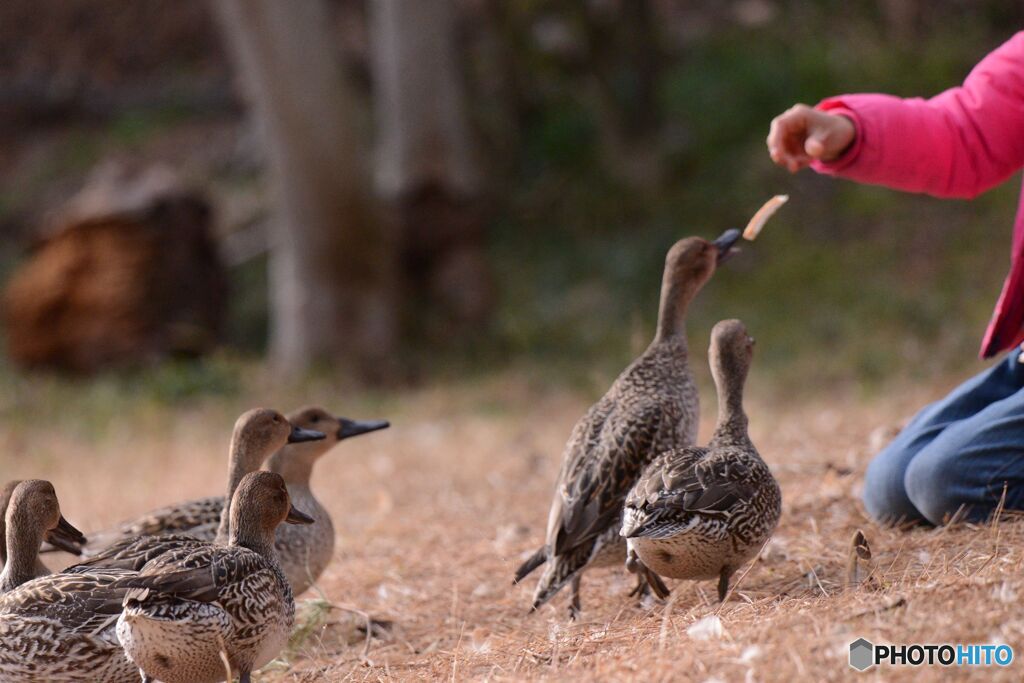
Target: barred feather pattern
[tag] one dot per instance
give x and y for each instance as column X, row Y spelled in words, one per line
column 198, row 518
column 651, row 407
column 304, row 551
column 699, row 511
column 61, row 629
column 189, row 605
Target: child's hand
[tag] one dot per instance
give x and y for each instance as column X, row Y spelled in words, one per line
column 802, row 134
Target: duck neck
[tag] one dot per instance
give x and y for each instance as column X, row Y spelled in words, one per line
column 247, row 535
column 22, row 559
column 732, row 419
column 240, row 464
column 672, row 309
column 295, row 462
column 5, row 499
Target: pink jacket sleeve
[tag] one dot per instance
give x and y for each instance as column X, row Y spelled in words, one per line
column 956, row 144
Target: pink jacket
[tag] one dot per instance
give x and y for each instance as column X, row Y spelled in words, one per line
column 957, row 144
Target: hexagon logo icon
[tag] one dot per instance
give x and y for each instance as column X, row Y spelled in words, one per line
column 862, row 654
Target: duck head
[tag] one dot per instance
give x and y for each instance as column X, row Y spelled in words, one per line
column 689, row 264
column 730, row 356
column 693, row 260
column 295, row 461
column 732, row 348
column 335, row 427
column 33, row 504
column 261, row 503
column 262, row 431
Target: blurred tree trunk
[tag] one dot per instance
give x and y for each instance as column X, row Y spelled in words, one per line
column 426, row 172
column 623, row 49
column 331, row 276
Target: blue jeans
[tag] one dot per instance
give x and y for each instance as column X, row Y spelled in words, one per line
column 958, row 452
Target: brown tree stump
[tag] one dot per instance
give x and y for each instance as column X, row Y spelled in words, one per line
column 119, row 283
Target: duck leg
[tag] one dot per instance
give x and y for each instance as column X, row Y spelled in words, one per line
column 245, row 677
column 646, row 580
column 574, row 601
column 654, row 582
column 723, row 583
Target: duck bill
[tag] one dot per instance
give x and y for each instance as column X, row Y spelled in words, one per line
column 297, row 517
column 726, row 244
column 350, row 428
column 299, row 435
column 66, row 537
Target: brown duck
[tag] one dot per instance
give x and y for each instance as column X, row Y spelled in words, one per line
column 652, row 406
column 192, row 609
column 701, row 513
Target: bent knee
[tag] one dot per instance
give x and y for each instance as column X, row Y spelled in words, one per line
column 885, row 496
column 931, row 486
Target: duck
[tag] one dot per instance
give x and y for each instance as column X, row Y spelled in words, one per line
column 651, row 407
column 306, row 550
column 257, row 434
column 700, row 513
column 58, row 628
column 191, row 613
column 30, row 513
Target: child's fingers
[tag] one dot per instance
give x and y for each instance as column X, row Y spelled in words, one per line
column 786, row 138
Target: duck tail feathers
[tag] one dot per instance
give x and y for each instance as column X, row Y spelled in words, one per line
column 560, row 570
column 632, row 521
column 534, row 561
column 656, row 528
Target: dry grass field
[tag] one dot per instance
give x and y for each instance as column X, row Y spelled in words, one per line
column 434, row 514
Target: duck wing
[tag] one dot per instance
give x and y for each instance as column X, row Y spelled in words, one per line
column 135, row 553
column 199, row 573
column 683, row 486
column 84, row 603
column 608, row 449
column 199, row 518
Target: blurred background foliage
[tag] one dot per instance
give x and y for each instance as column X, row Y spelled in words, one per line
column 606, row 131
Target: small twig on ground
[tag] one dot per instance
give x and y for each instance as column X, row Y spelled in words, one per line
column 892, row 604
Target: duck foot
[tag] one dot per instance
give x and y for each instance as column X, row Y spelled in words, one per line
column 245, row 677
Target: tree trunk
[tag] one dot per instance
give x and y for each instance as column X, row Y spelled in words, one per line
column 426, row 173
column 331, row 272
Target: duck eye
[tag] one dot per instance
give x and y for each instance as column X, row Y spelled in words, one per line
column 316, row 418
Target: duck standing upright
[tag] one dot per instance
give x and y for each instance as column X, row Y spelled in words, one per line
column 651, row 407
column 188, row 611
column 701, row 513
